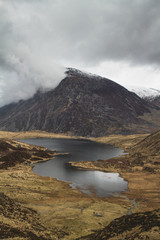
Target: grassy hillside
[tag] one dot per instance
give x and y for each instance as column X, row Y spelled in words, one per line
column 141, row 167
column 35, row 207
column 136, row 226
column 150, row 144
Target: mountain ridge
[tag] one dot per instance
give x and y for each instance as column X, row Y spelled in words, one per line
column 82, row 104
column 144, row 92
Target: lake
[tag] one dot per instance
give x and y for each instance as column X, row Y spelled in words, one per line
column 97, row 182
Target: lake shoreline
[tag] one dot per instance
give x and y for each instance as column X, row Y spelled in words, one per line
column 87, row 181
column 129, row 173
column 50, row 197
column 142, row 185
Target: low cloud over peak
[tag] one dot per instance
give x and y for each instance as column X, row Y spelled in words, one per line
column 39, row 37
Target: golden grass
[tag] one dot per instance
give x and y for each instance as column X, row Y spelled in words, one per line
column 57, row 204
column 116, row 140
column 67, row 213
column 34, row 134
column 64, row 212
column 122, row 141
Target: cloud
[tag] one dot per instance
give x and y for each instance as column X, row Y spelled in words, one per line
column 126, row 75
column 39, row 37
column 120, row 31
column 25, row 64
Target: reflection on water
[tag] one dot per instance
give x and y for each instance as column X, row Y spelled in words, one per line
column 100, row 183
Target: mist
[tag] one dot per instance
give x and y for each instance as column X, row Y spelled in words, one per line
column 27, row 61
column 40, row 38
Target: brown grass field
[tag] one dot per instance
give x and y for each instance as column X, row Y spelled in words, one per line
column 35, row 207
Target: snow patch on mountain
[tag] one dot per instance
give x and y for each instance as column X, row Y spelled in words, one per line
column 144, row 92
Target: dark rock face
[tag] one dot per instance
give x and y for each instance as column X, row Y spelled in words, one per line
column 82, row 104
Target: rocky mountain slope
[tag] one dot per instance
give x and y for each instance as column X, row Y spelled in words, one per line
column 82, row 104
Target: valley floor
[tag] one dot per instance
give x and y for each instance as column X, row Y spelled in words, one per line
column 35, row 207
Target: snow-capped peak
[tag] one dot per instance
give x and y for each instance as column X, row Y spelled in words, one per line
column 144, row 92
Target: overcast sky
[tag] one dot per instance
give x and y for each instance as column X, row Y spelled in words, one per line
column 118, row 39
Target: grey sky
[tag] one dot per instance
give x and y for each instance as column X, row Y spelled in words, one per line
column 118, row 39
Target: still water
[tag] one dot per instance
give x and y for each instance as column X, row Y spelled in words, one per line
column 97, row 182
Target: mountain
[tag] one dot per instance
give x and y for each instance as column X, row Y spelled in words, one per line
column 82, row 104
column 151, row 95
column 144, row 92
column 156, row 101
